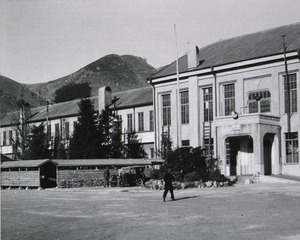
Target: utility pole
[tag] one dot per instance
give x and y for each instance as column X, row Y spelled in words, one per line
column 287, row 88
column 177, row 95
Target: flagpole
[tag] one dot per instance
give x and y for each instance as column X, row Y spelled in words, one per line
column 177, row 94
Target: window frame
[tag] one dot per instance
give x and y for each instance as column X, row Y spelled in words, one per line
column 229, row 98
column 184, row 107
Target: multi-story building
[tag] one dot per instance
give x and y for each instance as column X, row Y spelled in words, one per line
column 238, row 98
column 134, row 108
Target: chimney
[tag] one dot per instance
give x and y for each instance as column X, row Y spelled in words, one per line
column 193, row 57
column 104, row 98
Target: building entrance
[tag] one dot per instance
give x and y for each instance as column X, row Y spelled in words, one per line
column 239, row 155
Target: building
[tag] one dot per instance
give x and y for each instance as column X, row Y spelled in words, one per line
column 234, row 98
column 133, row 107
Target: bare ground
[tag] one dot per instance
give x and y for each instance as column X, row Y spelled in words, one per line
column 257, row 211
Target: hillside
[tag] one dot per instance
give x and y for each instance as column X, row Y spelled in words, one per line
column 119, row 72
column 11, row 91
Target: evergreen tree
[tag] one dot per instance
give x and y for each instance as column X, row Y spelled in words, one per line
column 38, row 144
column 104, row 128
column 166, row 144
column 134, row 148
column 85, row 140
column 116, row 145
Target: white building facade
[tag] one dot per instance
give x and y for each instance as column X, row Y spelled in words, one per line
column 231, row 97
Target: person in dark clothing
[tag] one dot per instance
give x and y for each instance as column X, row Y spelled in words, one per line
column 168, row 178
column 106, row 176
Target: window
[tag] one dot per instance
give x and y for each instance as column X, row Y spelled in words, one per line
column 57, row 130
column 4, row 138
column 228, row 151
column 141, row 121
column 259, row 101
column 129, row 122
column 67, row 130
column 151, row 152
column 166, row 109
column 49, row 131
column 185, row 143
column 292, row 147
column 10, row 137
column 209, row 146
column 208, row 104
column 151, row 121
column 290, row 85
column 229, row 99
column 184, row 101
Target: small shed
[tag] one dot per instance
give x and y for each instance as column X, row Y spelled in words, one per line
column 68, row 169
column 29, row 173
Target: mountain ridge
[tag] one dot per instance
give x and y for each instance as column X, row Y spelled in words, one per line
column 118, row 72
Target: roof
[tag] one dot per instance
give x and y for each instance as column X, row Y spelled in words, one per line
column 14, row 117
column 241, row 48
column 5, row 158
column 25, row 163
column 134, row 98
column 105, row 162
column 127, row 99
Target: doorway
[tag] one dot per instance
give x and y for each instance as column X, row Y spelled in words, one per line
column 268, row 141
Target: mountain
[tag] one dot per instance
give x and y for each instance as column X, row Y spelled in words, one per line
column 118, row 72
column 10, row 93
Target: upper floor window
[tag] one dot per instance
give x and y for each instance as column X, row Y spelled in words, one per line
column 10, row 137
column 208, row 104
column 141, row 121
column 184, row 101
column 259, row 101
column 67, row 130
column 57, row 131
column 129, row 122
column 151, row 121
column 4, row 138
column 292, row 147
column 229, row 98
column 290, row 84
column 166, row 109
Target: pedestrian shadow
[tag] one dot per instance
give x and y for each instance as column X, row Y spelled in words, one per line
column 183, row 198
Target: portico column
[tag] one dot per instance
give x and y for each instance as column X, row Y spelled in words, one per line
column 258, row 144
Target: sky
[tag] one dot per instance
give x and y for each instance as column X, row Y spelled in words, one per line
column 42, row 40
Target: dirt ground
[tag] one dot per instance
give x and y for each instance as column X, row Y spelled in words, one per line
column 256, row 211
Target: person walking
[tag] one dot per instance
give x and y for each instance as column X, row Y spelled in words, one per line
column 106, row 176
column 168, row 178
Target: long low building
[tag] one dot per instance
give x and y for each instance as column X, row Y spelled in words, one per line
column 49, row 173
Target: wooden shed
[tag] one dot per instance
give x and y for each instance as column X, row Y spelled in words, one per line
column 29, row 173
column 68, row 169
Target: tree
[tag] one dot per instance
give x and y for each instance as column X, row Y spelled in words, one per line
column 116, row 145
column 166, row 144
column 134, row 148
column 21, row 127
column 85, row 140
column 38, row 147
column 72, row 91
column 104, row 127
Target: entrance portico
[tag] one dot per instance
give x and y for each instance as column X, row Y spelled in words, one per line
column 249, row 144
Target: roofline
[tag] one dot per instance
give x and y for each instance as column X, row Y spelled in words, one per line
column 227, row 67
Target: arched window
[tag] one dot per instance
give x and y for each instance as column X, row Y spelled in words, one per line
column 259, row 101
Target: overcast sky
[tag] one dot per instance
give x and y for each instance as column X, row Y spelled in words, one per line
column 45, row 40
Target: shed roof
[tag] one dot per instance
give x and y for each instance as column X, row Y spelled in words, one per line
column 241, row 48
column 25, row 163
column 106, row 162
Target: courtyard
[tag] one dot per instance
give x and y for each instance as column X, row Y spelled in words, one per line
column 255, row 211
